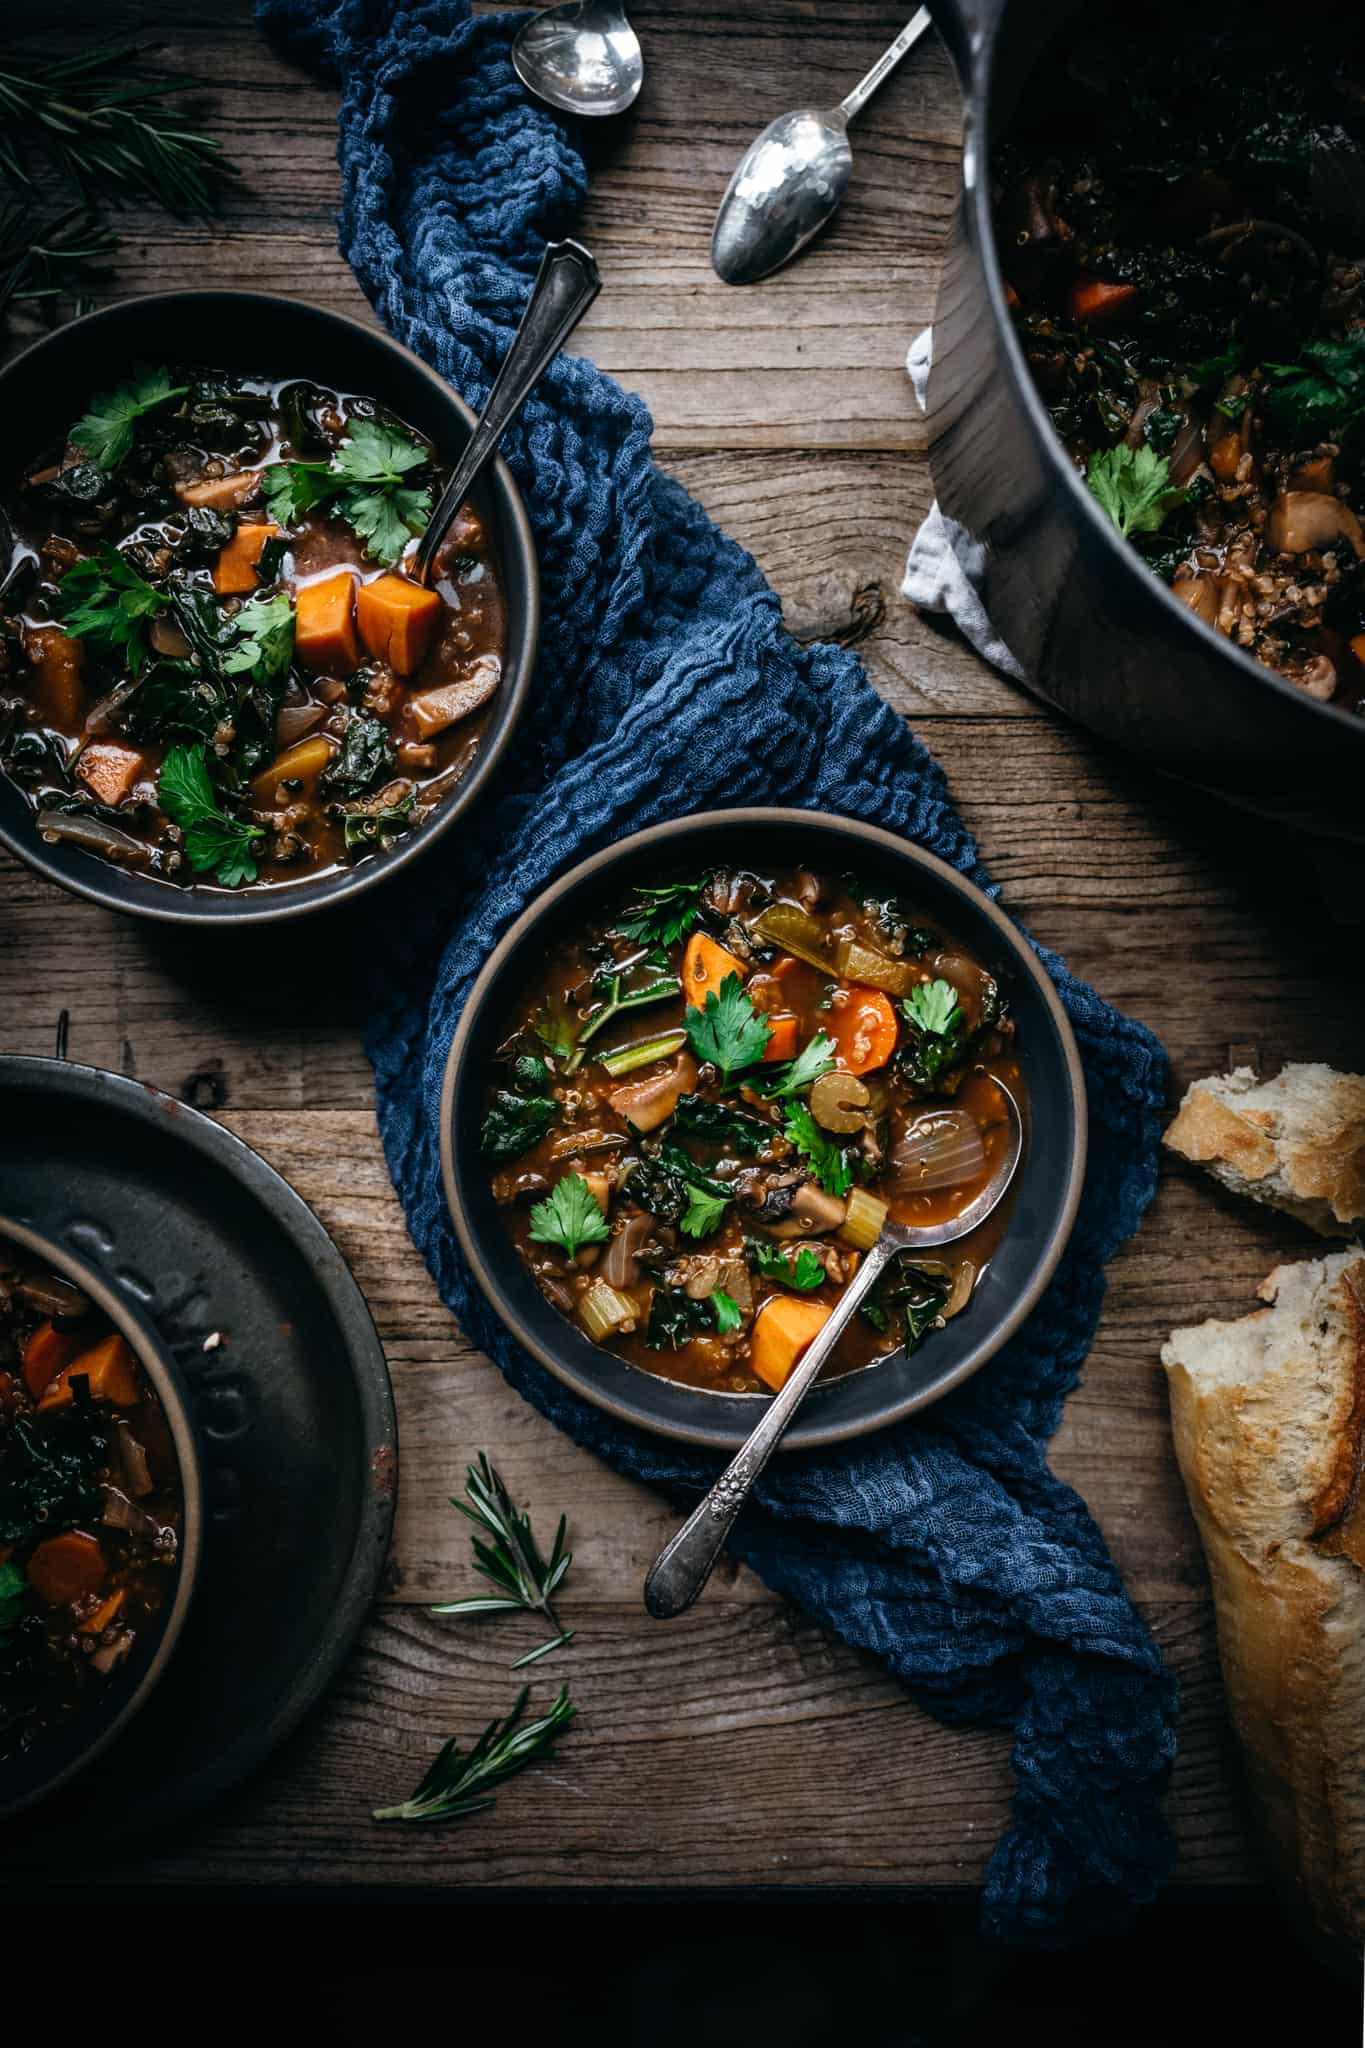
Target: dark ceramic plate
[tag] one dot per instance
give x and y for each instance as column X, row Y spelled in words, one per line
column 293, row 1413
column 1044, row 1201
column 278, row 336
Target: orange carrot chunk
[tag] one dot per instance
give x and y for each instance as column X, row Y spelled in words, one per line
column 324, row 624
column 863, row 1030
column 45, row 1353
column 109, row 770
column 106, row 1612
column 235, row 569
column 783, row 1328
column 66, row 1566
column 705, row 966
column 110, row 1368
column 1095, row 303
column 782, row 1036
column 398, row 621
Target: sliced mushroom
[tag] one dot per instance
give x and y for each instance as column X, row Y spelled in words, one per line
column 1200, row 593
column 839, row 1102
column 621, row 1266
column 811, row 1209
column 651, row 1102
column 1300, row 520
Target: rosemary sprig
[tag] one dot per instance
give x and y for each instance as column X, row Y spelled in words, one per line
column 457, row 1785
column 108, row 134
column 52, row 260
column 512, row 1561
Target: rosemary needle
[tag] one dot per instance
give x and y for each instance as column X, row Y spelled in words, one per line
column 511, row 1560
column 457, row 1785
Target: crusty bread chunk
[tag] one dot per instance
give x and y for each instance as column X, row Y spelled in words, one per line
column 1297, row 1142
column 1268, row 1414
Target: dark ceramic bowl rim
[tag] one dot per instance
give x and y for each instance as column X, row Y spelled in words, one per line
column 521, row 582
column 979, row 76
column 735, row 1414
column 155, row 1363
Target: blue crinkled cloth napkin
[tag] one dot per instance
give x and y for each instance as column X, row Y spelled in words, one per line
column 666, row 684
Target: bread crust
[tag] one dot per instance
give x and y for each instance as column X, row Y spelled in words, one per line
column 1297, row 1142
column 1268, row 1415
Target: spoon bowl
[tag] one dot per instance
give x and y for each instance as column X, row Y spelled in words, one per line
column 582, row 57
column 685, row 1563
column 785, row 187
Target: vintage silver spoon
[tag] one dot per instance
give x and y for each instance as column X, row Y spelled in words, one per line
column 793, row 176
column 566, row 285
column 684, row 1564
column 582, row 56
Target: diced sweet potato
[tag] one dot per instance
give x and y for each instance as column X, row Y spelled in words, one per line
column 220, row 492
column 303, row 762
column 783, row 1328
column 235, row 569
column 705, row 966
column 109, row 770
column 59, row 660
column 45, row 1353
column 110, row 1368
column 324, row 624
column 783, row 1035
column 65, row 1567
column 434, row 710
column 398, row 621
column 108, row 1610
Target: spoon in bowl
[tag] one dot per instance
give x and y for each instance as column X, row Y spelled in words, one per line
column 792, row 177
column 684, row 1564
column 566, row 285
column 582, row 56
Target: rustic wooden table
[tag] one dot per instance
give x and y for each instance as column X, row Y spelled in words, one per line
column 741, row 1745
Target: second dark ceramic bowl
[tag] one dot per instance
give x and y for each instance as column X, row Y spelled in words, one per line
column 272, row 336
column 1045, row 1198
column 57, row 1755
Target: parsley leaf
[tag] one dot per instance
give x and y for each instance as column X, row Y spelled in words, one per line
column 1134, row 487
column 105, row 601
column 704, row 1212
column 804, row 1273
column 365, row 477
column 727, row 1310
column 385, row 518
column 292, row 488
column 728, row 1032
column 105, row 433
column 660, row 917
column 827, row 1160
column 811, row 1062
column 1323, row 394
column 569, row 1217
column 14, row 1588
column 373, row 453
column 214, row 840
column 933, row 1006
column 266, row 646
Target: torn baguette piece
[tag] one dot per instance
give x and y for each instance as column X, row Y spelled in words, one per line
column 1296, row 1143
column 1269, row 1420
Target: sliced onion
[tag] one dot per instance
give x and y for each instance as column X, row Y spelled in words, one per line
column 293, row 721
column 939, row 1148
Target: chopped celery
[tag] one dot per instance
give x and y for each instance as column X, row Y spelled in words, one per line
column 624, row 1059
column 605, row 1311
column 795, row 931
column 862, row 1226
column 854, row 961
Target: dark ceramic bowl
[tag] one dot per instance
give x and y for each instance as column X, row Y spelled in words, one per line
column 1096, row 633
column 59, row 1754
column 1044, row 1201
column 259, row 330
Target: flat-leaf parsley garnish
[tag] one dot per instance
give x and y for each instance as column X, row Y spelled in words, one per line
column 728, row 1032
column 569, row 1217
column 215, row 842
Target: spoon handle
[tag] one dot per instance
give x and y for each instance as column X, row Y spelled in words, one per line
column 918, row 26
column 684, row 1564
column 566, row 285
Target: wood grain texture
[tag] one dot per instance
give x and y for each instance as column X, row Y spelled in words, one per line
column 741, row 1745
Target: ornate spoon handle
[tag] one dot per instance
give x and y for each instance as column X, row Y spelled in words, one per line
column 918, row 26
column 566, row 285
column 684, row 1564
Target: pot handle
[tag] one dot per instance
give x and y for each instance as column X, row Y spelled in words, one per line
column 967, row 27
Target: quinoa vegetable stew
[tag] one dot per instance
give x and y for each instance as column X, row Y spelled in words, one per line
column 213, row 667
column 1180, row 216
column 90, row 1501
column 705, row 1108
